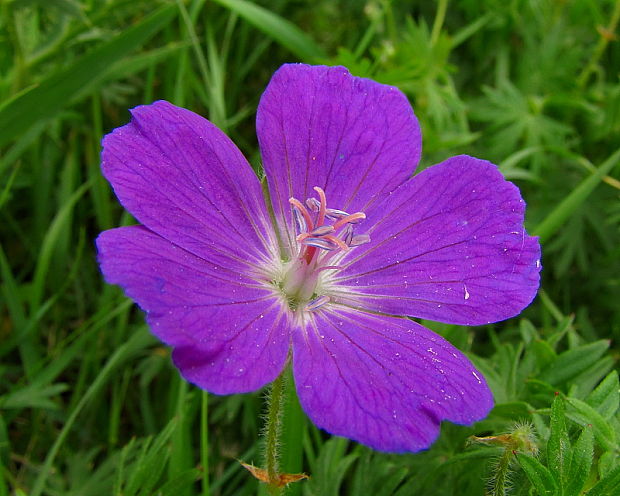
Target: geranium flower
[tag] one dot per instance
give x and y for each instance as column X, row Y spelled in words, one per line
column 320, row 265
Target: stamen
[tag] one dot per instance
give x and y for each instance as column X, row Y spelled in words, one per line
column 298, row 205
column 322, row 231
column 323, row 243
column 350, row 219
column 341, row 244
column 334, row 214
column 315, row 237
column 347, row 235
column 360, row 239
column 317, row 302
column 300, row 222
column 321, row 218
column 313, row 204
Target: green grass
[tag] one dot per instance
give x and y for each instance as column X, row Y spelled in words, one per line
column 90, row 403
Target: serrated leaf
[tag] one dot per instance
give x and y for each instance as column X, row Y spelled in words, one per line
column 538, row 475
column 571, row 363
column 580, row 463
column 558, row 446
column 605, row 399
column 584, row 414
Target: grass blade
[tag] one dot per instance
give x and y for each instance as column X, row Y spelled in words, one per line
column 563, row 211
column 284, row 32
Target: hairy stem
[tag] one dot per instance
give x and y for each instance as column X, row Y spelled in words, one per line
column 272, row 433
column 500, row 482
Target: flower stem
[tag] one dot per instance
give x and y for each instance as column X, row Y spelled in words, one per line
column 272, row 433
column 439, row 18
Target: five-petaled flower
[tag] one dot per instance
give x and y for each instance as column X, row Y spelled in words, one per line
column 320, row 266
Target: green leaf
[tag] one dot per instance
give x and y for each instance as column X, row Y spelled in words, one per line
column 331, row 467
column 605, row 399
column 560, row 214
column 571, row 363
column 513, row 410
column 609, row 485
column 181, row 482
column 70, row 7
column 46, row 99
column 33, row 396
column 538, row 475
column 136, row 343
column 558, row 446
column 278, row 28
column 580, row 463
column 151, row 462
column 46, row 252
column 584, row 414
column 606, row 463
column 544, row 353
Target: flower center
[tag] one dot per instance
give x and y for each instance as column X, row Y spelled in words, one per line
column 322, row 233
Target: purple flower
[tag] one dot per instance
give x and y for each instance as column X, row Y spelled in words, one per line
column 319, row 272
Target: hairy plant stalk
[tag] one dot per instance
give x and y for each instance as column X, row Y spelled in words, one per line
column 272, row 433
column 500, row 483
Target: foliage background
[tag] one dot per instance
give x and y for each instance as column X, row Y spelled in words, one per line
column 89, row 401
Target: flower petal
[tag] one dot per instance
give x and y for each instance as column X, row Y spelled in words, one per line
column 449, row 245
column 227, row 329
column 320, row 126
column 383, row 381
column 184, row 179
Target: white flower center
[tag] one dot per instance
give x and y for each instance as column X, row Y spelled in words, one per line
column 318, row 242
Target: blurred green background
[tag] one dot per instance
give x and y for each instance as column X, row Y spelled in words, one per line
column 90, row 403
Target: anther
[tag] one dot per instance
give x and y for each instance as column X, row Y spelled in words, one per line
column 341, row 244
column 322, row 231
column 323, row 243
column 300, row 222
column 313, row 204
column 302, row 210
column 360, row 239
column 350, row 219
column 347, row 234
column 334, row 214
